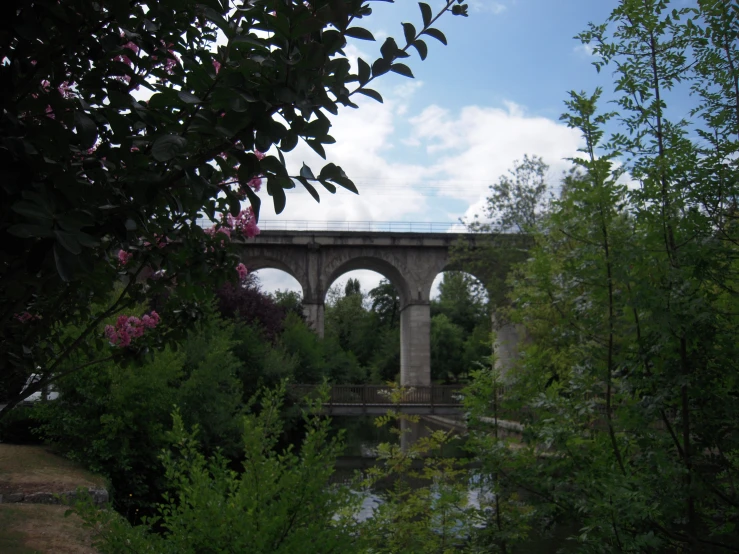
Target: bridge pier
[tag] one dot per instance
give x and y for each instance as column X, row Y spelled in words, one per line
column 415, row 345
column 314, row 316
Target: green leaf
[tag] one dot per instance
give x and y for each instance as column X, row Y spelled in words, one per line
column 167, row 147
column 426, row 13
column 359, row 32
column 68, row 242
column 32, row 210
column 86, row 129
column 401, row 69
column 188, row 98
column 421, row 47
column 65, row 263
column 254, row 200
column 364, row 71
column 216, row 18
column 27, row 231
column 410, row 32
column 306, row 172
column 371, row 93
column 289, row 142
column 438, row 35
column 275, row 190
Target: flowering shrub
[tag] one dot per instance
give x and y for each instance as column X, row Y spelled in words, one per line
column 127, row 328
column 90, row 168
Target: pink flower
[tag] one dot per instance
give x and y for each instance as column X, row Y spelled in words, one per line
column 244, row 223
column 65, row 89
column 217, row 66
column 25, row 317
column 131, row 46
column 124, row 257
column 259, row 155
column 255, row 183
column 242, row 271
column 128, row 328
column 50, row 112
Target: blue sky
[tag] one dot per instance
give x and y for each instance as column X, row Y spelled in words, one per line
column 430, row 151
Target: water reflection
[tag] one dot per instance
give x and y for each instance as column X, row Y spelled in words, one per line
column 362, row 438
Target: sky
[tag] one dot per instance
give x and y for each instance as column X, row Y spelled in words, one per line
column 432, row 149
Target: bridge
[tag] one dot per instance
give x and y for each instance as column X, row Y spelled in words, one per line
column 352, row 400
column 410, row 260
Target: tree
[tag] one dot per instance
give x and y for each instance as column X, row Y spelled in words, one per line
column 280, row 502
column 352, row 287
column 519, row 199
column 101, row 186
column 386, row 302
column 630, row 296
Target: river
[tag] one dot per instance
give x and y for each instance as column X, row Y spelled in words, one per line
column 362, row 437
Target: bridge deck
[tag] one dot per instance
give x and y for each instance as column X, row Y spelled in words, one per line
column 378, row 399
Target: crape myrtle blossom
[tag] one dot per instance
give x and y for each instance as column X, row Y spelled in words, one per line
column 242, row 271
column 127, row 328
column 124, row 257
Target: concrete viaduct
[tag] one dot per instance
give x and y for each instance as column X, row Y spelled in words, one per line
column 410, row 261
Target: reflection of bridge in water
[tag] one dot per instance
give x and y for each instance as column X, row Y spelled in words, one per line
column 356, row 400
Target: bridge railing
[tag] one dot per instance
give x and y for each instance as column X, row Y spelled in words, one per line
column 357, row 226
column 376, row 395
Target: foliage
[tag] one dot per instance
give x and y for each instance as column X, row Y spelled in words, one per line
column 460, row 326
column 424, row 507
column 518, row 200
column 246, row 303
column 289, row 300
column 124, row 124
column 278, row 502
column 386, row 302
column 629, row 389
column 113, row 418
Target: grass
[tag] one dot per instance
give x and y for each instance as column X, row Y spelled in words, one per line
column 30, row 469
column 41, row 528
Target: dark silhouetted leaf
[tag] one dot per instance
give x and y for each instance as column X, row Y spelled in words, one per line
column 86, row 129
column 306, row 172
column 310, row 188
column 438, row 35
column 410, row 32
column 359, row 32
column 380, row 67
column 422, row 49
column 167, row 147
column 371, row 93
column 402, row 69
column 188, row 98
column 364, row 71
column 426, row 13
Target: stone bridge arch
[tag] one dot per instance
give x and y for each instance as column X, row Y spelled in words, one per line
column 411, row 261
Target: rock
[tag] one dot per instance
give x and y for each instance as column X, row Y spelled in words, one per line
column 40, row 498
column 99, row 496
column 15, row 497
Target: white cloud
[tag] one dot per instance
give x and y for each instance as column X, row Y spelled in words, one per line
column 584, row 50
column 476, row 145
column 489, row 6
column 466, row 149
